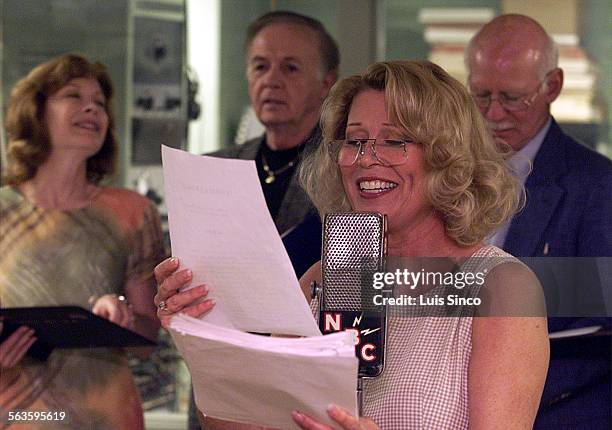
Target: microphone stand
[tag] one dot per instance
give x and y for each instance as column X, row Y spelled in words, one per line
column 360, row 395
column 316, row 293
column 361, row 377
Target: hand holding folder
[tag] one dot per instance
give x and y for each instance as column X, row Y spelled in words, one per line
column 14, row 347
column 67, row 327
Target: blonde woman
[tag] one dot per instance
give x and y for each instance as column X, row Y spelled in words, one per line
column 406, row 140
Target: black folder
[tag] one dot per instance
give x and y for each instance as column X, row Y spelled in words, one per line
column 67, row 327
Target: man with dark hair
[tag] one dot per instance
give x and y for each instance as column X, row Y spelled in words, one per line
column 291, row 64
column 514, row 78
column 328, row 49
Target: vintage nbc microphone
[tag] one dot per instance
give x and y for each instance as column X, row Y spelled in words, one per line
column 354, row 248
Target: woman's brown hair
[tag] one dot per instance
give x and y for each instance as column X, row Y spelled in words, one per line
column 28, row 138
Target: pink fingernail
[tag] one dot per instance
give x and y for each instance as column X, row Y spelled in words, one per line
column 297, row 416
column 334, row 411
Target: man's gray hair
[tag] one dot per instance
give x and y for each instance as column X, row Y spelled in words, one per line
column 550, row 57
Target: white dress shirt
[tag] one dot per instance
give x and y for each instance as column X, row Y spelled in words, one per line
column 520, row 164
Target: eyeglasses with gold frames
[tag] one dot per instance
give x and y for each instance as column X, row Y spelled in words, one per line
column 388, row 152
column 509, row 102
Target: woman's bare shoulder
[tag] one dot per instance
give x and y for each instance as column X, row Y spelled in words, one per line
column 511, row 289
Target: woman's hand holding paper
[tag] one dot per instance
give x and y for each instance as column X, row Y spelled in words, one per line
column 170, row 301
column 340, row 416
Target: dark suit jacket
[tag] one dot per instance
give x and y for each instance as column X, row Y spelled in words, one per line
column 569, row 202
column 568, row 213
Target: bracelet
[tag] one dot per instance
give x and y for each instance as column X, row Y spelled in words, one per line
column 91, row 301
column 94, row 298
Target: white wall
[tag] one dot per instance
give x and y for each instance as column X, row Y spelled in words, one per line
column 204, row 57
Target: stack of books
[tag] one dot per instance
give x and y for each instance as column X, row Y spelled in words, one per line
column 448, row 31
column 576, row 102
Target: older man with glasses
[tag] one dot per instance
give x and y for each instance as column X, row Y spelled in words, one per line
column 514, row 78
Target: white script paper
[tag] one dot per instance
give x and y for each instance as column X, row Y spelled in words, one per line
column 221, row 229
column 259, row 380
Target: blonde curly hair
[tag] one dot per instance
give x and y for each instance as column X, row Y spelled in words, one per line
column 467, row 180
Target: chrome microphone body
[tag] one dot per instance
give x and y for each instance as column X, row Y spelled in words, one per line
column 353, row 250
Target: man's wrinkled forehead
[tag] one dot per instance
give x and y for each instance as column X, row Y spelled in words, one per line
column 294, row 42
column 516, row 66
column 505, row 56
column 300, row 36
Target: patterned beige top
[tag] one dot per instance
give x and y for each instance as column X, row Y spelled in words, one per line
column 53, row 257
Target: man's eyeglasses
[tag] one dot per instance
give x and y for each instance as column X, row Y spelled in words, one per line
column 509, row 102
column 388, row 152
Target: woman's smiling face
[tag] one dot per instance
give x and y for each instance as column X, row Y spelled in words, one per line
column 397, row 191
column 76, row 117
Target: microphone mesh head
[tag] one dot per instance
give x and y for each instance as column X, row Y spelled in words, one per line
column 353, row 249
